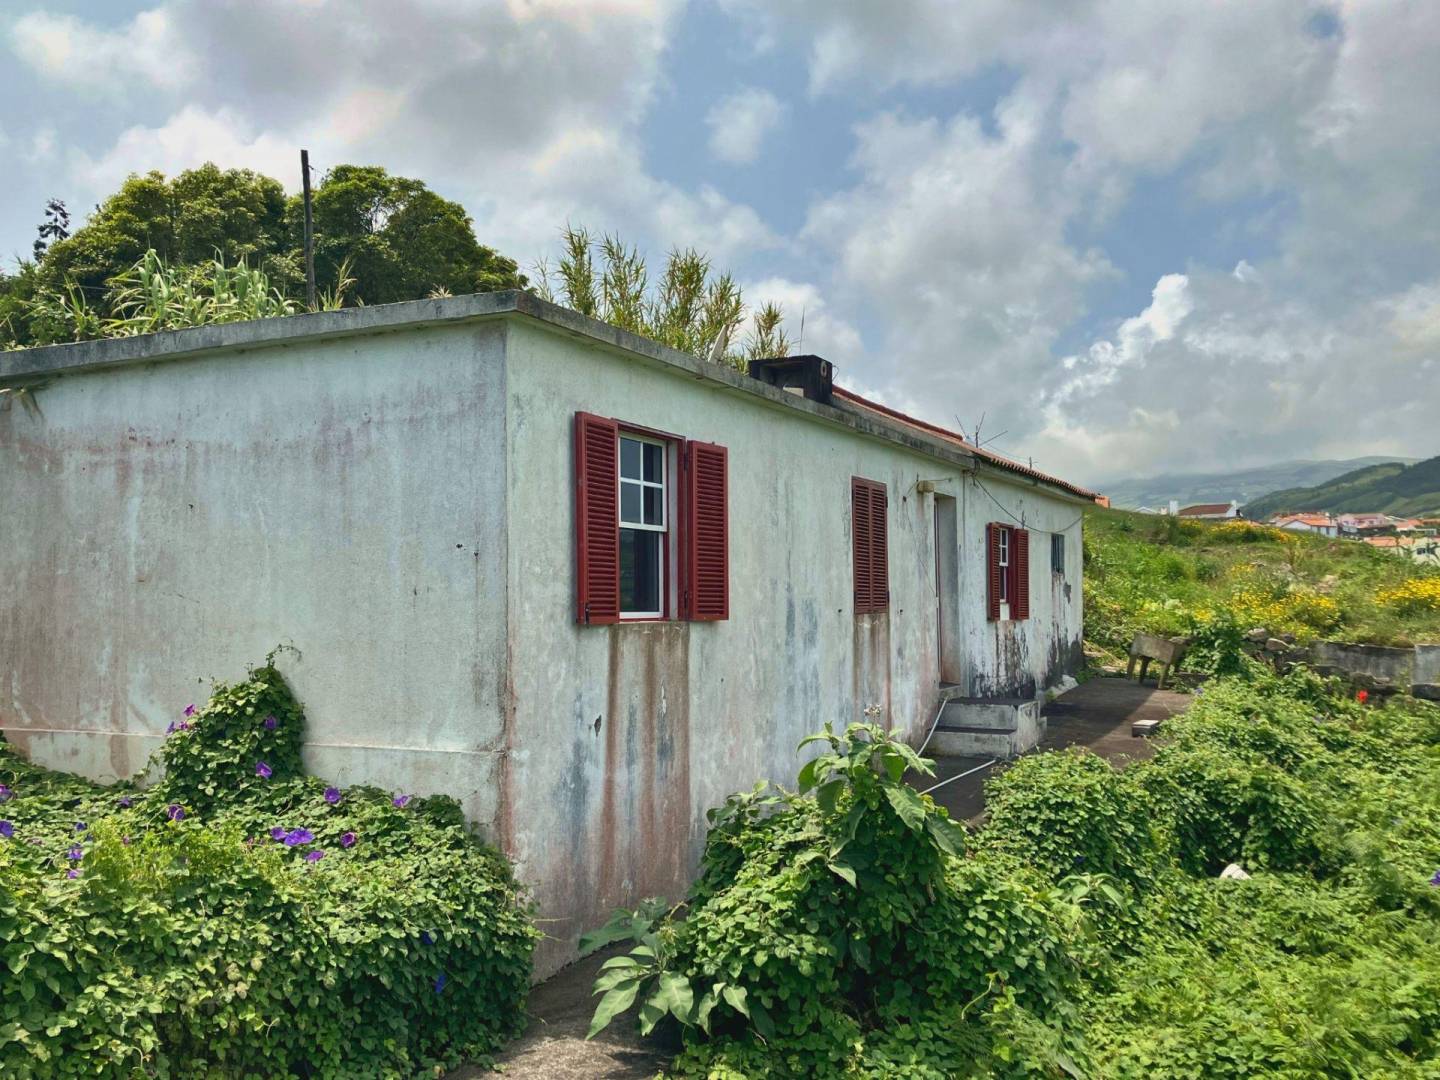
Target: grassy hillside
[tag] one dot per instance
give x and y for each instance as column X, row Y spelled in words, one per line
column 1168, row 576
column 1388, row 489
column 1243, row 485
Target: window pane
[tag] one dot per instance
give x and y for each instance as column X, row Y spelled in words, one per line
column 654, row 506
column 653, row 466
column 639, row 571
column 630, row 458
column 630, row 502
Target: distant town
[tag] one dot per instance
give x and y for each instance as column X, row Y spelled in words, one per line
column 1418, row 538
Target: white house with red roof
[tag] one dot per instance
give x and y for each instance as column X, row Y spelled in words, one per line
column 585, row 583
column 1210, row 511
column 1316, row 523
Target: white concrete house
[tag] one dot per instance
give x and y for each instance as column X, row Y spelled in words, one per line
column 585, row 583
column 1318, row 524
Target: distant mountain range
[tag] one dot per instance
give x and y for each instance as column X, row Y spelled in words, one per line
column 1244, row 486
column 1405, row 491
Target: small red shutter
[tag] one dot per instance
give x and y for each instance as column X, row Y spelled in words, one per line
column 868, row 520
column 992, row 546
column 879, row 549
column 1020, row 567
column 708, row 518
column 860, row 542
column 597, row 520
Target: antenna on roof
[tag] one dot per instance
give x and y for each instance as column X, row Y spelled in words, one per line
column 800, row 345
column 717, row 350
column 309, row 231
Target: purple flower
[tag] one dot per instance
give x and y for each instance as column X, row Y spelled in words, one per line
column 189, row 710
column 7, row 830
column 175, row 812
column 80, row 826
column 332, row 795
column 440, row 982
column 298, row 836
column 271, row 723
column 401, row 801
column 315, row 856
column 124, row 802
column 182, row 726
column 5, row 793
column 170, row 730
column 1433, row 881
column 347, row 840
column 278, row 833
column 75, row 854
column 262, row 770
column 73, row 874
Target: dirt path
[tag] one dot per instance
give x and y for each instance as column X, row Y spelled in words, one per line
column 1096, row 715
column 554, row 1046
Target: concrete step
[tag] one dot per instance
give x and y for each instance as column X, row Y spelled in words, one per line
column 959, row 740
column 987, row 727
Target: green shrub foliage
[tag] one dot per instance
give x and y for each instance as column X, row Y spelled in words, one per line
column 241, row 919
column 1084, row 930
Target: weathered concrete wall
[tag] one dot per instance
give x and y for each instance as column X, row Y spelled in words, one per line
column 1427, row 672
column 1021, row 659
column 168, row 523
column 624, row 735
column 1376, row 664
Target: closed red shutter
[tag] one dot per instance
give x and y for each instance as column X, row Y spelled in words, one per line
column 1020, row 567
column 860, row 542
column 992, row 547
column 597, row 520
column 708, row 533
column 879, row 549
column 868, row 521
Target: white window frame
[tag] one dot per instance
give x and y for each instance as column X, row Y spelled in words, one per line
column 661, row 584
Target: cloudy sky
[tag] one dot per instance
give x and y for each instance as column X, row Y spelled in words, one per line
column 1136, row 236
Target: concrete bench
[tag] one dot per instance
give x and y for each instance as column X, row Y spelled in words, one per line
column 1167, row 652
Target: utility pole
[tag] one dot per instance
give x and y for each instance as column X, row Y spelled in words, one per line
column 309, row 231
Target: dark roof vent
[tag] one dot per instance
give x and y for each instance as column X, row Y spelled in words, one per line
column 809, row 376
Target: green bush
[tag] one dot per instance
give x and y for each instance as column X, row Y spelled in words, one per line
column 1084, row 930
column 841, row 931
column 1070, row 812
column 240, row 920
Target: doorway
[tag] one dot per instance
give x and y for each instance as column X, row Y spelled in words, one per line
column 947, row 589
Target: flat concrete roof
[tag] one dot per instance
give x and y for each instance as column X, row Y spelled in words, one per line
column 38, row 365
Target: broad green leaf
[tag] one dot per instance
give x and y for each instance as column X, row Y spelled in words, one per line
column 612, row 1005
column 735, row 997
column 844, row 871
column 907, row 805
column 679, row 998
column 948, row 836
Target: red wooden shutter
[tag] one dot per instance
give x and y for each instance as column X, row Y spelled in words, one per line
column 708, row 532
column 992, row 546
column 1020, row 567
column 860, row 542
column 868, row 519
column 597, row 519
column 879, row 549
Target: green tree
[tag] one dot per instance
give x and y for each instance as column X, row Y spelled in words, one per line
column 403, row 240
column 186, row 221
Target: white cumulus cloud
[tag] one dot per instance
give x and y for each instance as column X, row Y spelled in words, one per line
column 740, row 123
